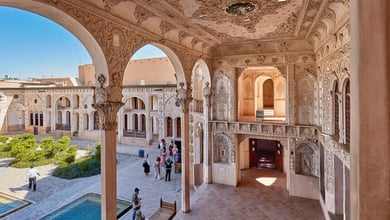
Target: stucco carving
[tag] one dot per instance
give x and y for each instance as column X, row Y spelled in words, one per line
column 222, row 97
column 222, row 149
column 108, row 115
column 307, row 159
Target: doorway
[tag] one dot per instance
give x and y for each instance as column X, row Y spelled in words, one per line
column 266, row 154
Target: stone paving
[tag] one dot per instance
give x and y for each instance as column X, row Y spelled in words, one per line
column 250, row 200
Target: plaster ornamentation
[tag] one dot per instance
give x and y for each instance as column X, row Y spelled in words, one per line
column 222, row 149
column 329, row 171
column 285, row 29
column 142, row 14
column 292, row 132
column 222, row 96
column 260, row 59
column 165, row 27
column 108, row 4
column 278, row 131
column 291, row 58
column 100, row 95
column 307, row 159
column 182, row 35
column 183, row 96
column 108, row 114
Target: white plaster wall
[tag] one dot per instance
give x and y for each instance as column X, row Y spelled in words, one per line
column 244, row 154
column 225, row 174
column 304, row 186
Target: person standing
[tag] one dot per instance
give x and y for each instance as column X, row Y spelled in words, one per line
column 168, row 168
column 32, row 178
column 136, row 202
column 157, row 168
column 146, row 167
column 162, row 145
column 174, row 153
column 163, row 157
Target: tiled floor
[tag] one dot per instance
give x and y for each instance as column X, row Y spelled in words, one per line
column 251, row 200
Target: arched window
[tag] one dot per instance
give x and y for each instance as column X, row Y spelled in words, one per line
column 336, row 111
column 141, row 104
column 31, row 119
column 169, row 127
column 347, row 115
column 126, row 122
column 36, row 119
column 136, row 122
column 268, row 93
column 143, row 123
column 68, row 117
column 41, row 119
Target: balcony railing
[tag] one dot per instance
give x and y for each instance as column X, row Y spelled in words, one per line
column 134, row 133
column 63, row 127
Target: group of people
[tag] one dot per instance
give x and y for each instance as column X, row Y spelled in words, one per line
column 162, row 161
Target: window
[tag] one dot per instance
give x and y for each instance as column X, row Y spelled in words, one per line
column 336, row 112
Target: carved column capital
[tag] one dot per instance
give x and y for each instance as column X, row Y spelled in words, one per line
column 183, row 97
column 108, row 114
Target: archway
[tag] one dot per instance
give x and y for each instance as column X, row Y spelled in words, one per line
column 70, row 24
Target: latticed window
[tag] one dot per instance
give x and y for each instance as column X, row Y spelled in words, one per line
column 347, row 111
column 336, row 112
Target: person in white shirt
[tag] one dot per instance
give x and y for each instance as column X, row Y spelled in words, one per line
column 32, row 178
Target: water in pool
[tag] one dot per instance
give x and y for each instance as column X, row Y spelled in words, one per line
column 88, row 207
column 9, row 204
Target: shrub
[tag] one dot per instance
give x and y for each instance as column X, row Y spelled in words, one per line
column 98, row 146
column 3, row 139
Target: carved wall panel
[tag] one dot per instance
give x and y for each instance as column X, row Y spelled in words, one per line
column 304, row 98
column 222, row 98
column 223, row 149
column 307, row 159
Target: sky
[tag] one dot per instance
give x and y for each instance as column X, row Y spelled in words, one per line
column 32, row 46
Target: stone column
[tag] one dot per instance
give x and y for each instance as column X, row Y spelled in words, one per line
column 370, row 110
column 108, row 125
column 184, row 98
column 207, row 158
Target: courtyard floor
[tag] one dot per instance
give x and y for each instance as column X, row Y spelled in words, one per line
column 250, row 200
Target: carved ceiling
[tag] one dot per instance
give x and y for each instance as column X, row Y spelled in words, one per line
column 217, row 22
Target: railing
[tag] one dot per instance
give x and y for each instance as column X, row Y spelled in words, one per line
column 64, row 127
column 134, row 133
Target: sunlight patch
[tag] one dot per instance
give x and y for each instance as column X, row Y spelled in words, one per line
column 266, row 181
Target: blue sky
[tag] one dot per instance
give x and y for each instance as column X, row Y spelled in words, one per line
column 34, row 46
